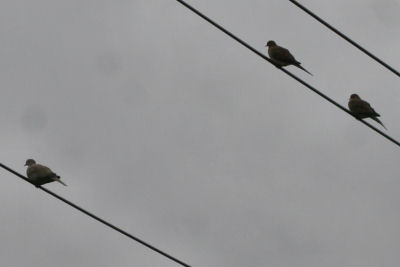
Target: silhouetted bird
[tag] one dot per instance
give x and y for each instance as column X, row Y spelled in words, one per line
column 282, row 57
column 39, row 174
column 362, row 109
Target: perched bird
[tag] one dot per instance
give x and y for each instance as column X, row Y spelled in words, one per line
column 362, row 109
column 40, row 174
column 282, row 57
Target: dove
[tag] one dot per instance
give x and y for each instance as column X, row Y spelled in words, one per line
column 362, row 109
column 39, row 174
column 282, row 57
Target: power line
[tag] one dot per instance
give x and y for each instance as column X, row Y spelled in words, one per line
column 284, row 70
column 345, row 37
column 98, row 218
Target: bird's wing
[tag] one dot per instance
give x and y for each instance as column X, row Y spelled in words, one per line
column 40, row 171
column 362, row 109
column 282, row 54
column 375, row 114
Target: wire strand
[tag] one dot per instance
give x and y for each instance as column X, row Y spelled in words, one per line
column 98, row 218
column 286, row 71
column 309, row 12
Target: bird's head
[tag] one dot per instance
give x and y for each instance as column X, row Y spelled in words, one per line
column 30, row 162
column 354, row 96
column 271, row 43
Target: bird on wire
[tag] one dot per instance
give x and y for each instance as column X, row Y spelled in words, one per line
column 362, row 109
column 39, row 174
column 281, row 57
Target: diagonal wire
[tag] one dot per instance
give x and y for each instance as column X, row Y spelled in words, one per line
column 309, row 12
column 98, row 218
column 284, row 70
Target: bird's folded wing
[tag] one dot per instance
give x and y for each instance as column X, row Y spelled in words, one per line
column 38, row 170
column 282, row 54
column 372, row 110
column 362, row 109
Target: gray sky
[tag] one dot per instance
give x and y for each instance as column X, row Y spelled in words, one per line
column 166, row 127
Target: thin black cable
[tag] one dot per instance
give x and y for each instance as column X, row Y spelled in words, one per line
column 284, row 70
column 98, row 218
column 345, row 37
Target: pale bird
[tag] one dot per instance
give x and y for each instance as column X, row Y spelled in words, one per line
column 362, row 109
column 39, row 174
column 282, row 57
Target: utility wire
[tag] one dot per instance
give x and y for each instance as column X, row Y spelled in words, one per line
column 284, row 70
column 98, row 218
column 345, row 37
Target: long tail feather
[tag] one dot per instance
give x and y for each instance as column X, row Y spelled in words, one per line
column 378, row 121
column 58, row 180
column 300, row 67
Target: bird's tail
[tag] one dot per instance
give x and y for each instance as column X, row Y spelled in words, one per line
column 300, row 67
column 59, row 180
column 378, row 121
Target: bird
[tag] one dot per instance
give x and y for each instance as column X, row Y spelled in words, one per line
column 39, row 174
column 281, row 57
column 362, row 109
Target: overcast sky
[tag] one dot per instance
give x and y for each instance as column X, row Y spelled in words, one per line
column 166, row 127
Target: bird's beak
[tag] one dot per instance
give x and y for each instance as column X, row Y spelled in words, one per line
column 26, row 164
